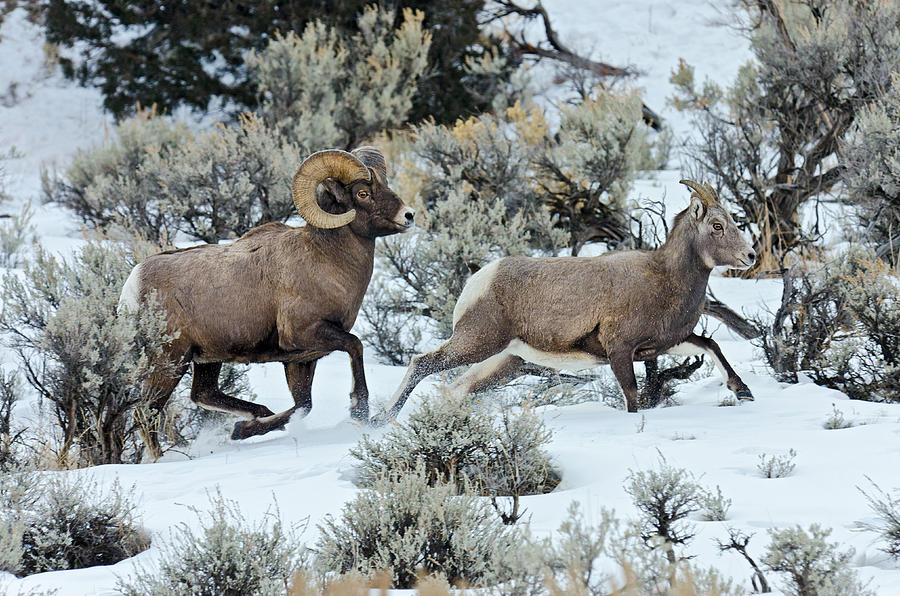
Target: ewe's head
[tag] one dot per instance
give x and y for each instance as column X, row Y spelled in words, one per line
column 355, row 193
column 718, row 239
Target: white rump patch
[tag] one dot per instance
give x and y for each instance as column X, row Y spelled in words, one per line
column 474, row 289
column 557, row 360
column 129, row 300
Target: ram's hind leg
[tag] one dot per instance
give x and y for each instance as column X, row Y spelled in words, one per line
column 205, row 393
column 299, row 376
column 158, row 390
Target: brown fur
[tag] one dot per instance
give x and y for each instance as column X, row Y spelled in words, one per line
column 277, row 294
column 617, row 308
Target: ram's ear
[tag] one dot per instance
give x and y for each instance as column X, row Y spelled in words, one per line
column 697, row 209
column 337, row 192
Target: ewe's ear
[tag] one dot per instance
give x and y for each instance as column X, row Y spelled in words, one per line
column 337, row 191
column 697, row 208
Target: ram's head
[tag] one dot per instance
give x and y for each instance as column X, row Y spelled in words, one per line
column 354, row 192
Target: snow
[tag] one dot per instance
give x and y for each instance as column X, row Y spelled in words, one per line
column 307, row 469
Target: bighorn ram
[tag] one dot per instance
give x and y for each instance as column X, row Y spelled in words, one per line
column 278, row 293
column 577, row 313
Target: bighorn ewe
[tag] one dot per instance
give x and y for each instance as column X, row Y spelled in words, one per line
column 278, row 293
column 577, row 313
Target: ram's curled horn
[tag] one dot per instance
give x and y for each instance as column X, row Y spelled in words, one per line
column 331, row 163
column 704, row 192
column 374, row 159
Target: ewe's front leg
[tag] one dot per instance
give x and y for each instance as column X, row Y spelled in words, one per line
column 621, row 360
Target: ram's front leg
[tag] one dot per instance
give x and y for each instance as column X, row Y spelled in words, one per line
column 329, row 336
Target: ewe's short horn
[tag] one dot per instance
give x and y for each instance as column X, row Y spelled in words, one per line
column 332, row 163
column 704, row 192
column 373, row 159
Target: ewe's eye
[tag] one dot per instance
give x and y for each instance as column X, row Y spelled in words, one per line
column 717, row 227
column 363, row 194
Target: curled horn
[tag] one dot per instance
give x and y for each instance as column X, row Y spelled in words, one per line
column 704, row 192
column 373, row 159
column 332, row 163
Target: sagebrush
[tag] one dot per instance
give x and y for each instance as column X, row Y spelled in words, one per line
column 456, row 441
column 407, row 524
column 665, row 498
column 86, row 362
column 56, row 522
column 839, row 325
column 227, row 556
column 325, row 88
column 811, row 565
column 771, row 143
column 158, row 178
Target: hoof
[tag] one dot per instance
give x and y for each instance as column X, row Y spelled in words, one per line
column 744, row 394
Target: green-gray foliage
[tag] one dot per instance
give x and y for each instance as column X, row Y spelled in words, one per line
column 579, row 548
column 55, row 522
column 103, row 185
column 10, row 433
column 776, row 466
column 872, row 154
column 321, row 89
column 158, row 178
column 222, row 183
column 812, row 566
column 228, row 556
column 714, row 505
column 573, row 562
column 664, row 498
column 457, row 441
column 19, row 491
column 585, row 176
column 887, row 509
column 406, row 524
column 14, row 233
column 772, row 142
column 840, row 326
column 87, row 362
column 837, row 420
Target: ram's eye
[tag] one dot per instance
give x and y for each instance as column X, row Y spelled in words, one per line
column 363, row 194
column 718, row 227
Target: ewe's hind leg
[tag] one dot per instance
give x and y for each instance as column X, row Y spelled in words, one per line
column 697, row 344
column 496, row 370
column 457, row 351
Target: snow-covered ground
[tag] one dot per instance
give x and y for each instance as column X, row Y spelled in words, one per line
column 307, row 468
